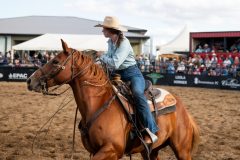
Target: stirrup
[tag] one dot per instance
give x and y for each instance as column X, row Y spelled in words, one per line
column 153, row 137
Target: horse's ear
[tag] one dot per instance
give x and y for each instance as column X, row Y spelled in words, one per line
column 65, row 47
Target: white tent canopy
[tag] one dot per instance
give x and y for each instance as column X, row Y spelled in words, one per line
column 180, row 43
column 53, row 42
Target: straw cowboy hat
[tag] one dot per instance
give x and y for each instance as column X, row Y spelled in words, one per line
column 112, row 22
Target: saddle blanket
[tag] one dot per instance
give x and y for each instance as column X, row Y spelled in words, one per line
column 165, row 100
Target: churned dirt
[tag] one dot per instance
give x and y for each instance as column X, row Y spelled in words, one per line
column 23, row 113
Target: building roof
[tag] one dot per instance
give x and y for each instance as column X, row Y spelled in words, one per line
column 38, row 25
column 52, row 42
column 215, row 34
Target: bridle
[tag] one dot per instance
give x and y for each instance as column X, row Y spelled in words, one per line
column 54, row 72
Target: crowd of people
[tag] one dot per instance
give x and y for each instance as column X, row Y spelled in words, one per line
column 210, row 65
column 218, row 47
column 31, row 59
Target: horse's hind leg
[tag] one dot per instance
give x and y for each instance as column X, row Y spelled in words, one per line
column 153, row 155
column 106, row 153
column 182, row 149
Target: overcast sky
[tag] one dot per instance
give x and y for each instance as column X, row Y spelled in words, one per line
column 163, row 19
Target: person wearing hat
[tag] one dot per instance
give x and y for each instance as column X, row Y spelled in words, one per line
column 120, row 57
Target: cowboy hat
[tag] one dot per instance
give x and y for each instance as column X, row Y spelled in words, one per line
column 112, row 22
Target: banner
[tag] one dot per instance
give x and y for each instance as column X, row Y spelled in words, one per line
column 16, row 74
column 220, row 82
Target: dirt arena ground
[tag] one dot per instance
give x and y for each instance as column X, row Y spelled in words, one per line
column 23, row 113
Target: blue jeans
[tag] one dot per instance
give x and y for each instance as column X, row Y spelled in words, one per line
column 134, row 75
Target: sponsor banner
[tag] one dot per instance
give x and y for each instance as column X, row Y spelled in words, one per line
column 8, row 73
column 180, row 80
column 231, row 83
column 195, row 81
column 17, row 76
column 204, row 81
column 156, row 78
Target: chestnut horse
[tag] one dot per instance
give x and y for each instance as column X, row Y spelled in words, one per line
column 107, row 134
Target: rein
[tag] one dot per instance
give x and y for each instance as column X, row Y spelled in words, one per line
column 45, row 77
column 84, row 128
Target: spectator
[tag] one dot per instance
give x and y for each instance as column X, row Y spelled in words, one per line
column 170, row 68
column 157, row 64
column 45, row 58
column 233, row 71
column 194, row 59
column 206, row 48
column 16, row 55
column 230, row 58
column 1, row 58
column 220, row 60
column 181, row 67
column 32, row 57
column 204, row 71
column 199, row 49
column 8, row 55
column 147, row 64
column 190, row 69
column 163, row 66
column 199, row 60
column 218, row 70
column 238, row 45
column 139, row 61
column 197, row 72
column 16, row 62
column 236, row 61
column 207, row 61
column 224, row 71
column 227, row 63
column 212, row 72
column 214, row 60
column 234, row 48
column 25, row 59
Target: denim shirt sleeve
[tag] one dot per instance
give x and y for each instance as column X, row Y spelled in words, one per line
column 115, row 57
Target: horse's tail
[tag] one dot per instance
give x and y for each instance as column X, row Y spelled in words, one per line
column 196, row 134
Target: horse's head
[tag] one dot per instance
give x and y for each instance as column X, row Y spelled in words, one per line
column 57, row 71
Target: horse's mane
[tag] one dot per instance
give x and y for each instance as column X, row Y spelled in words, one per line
column 95, row 73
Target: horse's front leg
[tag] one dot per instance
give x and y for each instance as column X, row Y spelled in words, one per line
column 106, row 152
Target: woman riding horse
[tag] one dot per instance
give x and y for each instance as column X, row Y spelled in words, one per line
column 120, row 57
column 105, row 128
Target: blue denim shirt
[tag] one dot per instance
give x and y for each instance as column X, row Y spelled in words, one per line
column 121, row 57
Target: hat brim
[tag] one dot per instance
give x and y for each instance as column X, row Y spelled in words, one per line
column 120, row 28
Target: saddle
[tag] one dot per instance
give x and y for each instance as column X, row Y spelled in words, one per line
column 160, row 101
column 124, row 89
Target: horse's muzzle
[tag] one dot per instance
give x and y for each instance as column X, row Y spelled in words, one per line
column 33, row 85
column 29, row 84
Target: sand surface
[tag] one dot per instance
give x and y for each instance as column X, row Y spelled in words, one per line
column 23, row 113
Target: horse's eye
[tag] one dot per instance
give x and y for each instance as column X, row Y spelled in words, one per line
column 55, row 62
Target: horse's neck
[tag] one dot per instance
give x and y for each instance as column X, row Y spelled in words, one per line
column 88, row 98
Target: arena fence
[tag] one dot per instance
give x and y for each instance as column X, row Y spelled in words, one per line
column 20, row 74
